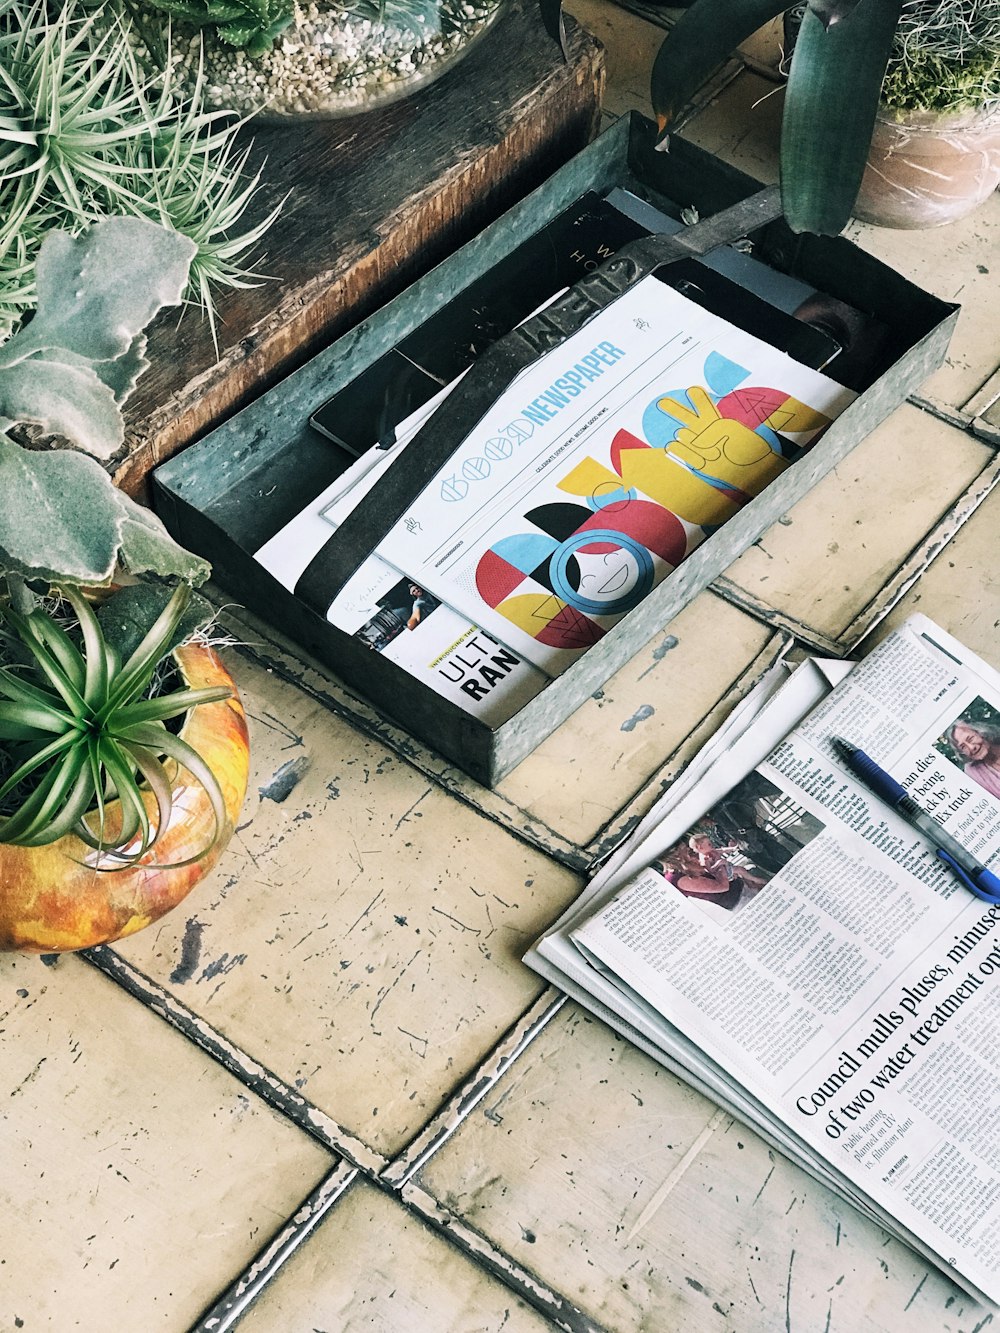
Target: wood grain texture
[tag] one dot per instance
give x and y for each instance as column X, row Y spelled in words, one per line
column 370, row 203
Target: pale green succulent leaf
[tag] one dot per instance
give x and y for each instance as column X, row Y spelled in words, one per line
column 67, row 400
column 99, row 290
column 62, row 519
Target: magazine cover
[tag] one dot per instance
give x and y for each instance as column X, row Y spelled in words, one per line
column 603, row 466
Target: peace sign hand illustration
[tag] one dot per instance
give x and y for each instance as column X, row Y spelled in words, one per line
column 706, row 437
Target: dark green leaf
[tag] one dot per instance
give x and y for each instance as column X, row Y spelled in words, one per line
column 149, row 734
column 136, row 672
column 148, row 764
column 830, row 107
column 704, row 36
column 832, row 11
column 166, row 706
column 67, row 802
column 555, row 25
column 95, row 684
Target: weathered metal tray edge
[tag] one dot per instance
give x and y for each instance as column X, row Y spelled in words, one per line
column 208, row 500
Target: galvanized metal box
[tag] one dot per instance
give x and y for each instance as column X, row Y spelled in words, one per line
column 225, row 496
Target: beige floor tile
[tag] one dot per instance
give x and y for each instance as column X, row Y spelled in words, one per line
column 362, row 935
column 630, row 45
column 594, row 763
column 742, row 124
column 961, row 590
column 371, row 1266
column 138, row 1177
column 835, row 550
column 643, row 1198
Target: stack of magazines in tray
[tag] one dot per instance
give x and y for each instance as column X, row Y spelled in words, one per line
column 792, row 945
column 592, row 476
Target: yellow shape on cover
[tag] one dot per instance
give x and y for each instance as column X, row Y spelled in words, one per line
column 531, row 611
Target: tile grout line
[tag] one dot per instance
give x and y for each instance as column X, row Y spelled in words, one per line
column 235, row 1301
column 395, row 1179
column 916, row 562
column 271, row 1089
column 520, row 1280
column 471, row 1092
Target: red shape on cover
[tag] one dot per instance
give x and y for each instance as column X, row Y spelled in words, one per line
column 656, row 528
column 751, row 406
column 496, row 578
column 569, row 629
column 624, row 439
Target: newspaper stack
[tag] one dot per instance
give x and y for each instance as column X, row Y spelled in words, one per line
column 785, row 942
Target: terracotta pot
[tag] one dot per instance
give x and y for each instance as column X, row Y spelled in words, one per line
column 55, row 898
column 930, row 168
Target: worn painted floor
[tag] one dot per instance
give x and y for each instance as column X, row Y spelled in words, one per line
column 326, row 1095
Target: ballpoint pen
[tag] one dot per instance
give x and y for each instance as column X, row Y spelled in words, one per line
column 973, row 874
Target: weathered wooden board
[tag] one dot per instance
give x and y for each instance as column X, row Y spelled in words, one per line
column 370, row 203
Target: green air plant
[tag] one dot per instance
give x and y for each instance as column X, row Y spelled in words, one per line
column 78, row 730
column 945, row 56
column 249, row 25
column 87, row 132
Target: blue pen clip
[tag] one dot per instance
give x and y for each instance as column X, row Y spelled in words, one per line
column 986, row 885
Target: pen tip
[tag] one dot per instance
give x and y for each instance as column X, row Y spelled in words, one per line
column 843, row 747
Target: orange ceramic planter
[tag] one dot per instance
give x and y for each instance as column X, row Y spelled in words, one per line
column 54, row 898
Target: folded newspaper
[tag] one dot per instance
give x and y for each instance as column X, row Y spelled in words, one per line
column 787, row 943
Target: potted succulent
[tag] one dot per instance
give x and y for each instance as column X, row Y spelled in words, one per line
column 123, row 747
column 285, row 58
column 836, row 74
column 935, row 151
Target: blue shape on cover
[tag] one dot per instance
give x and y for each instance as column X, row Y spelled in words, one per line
column 609, row 497
column 722, row 375
column 526, row 550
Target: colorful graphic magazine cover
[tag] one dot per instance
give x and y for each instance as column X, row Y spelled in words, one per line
column 395, row 616
column 603, row 466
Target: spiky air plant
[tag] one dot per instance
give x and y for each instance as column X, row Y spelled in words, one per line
column 79, row 730
column 945, row 56
column 87, row 132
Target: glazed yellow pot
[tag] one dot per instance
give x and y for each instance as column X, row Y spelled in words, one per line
column 55, row 898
